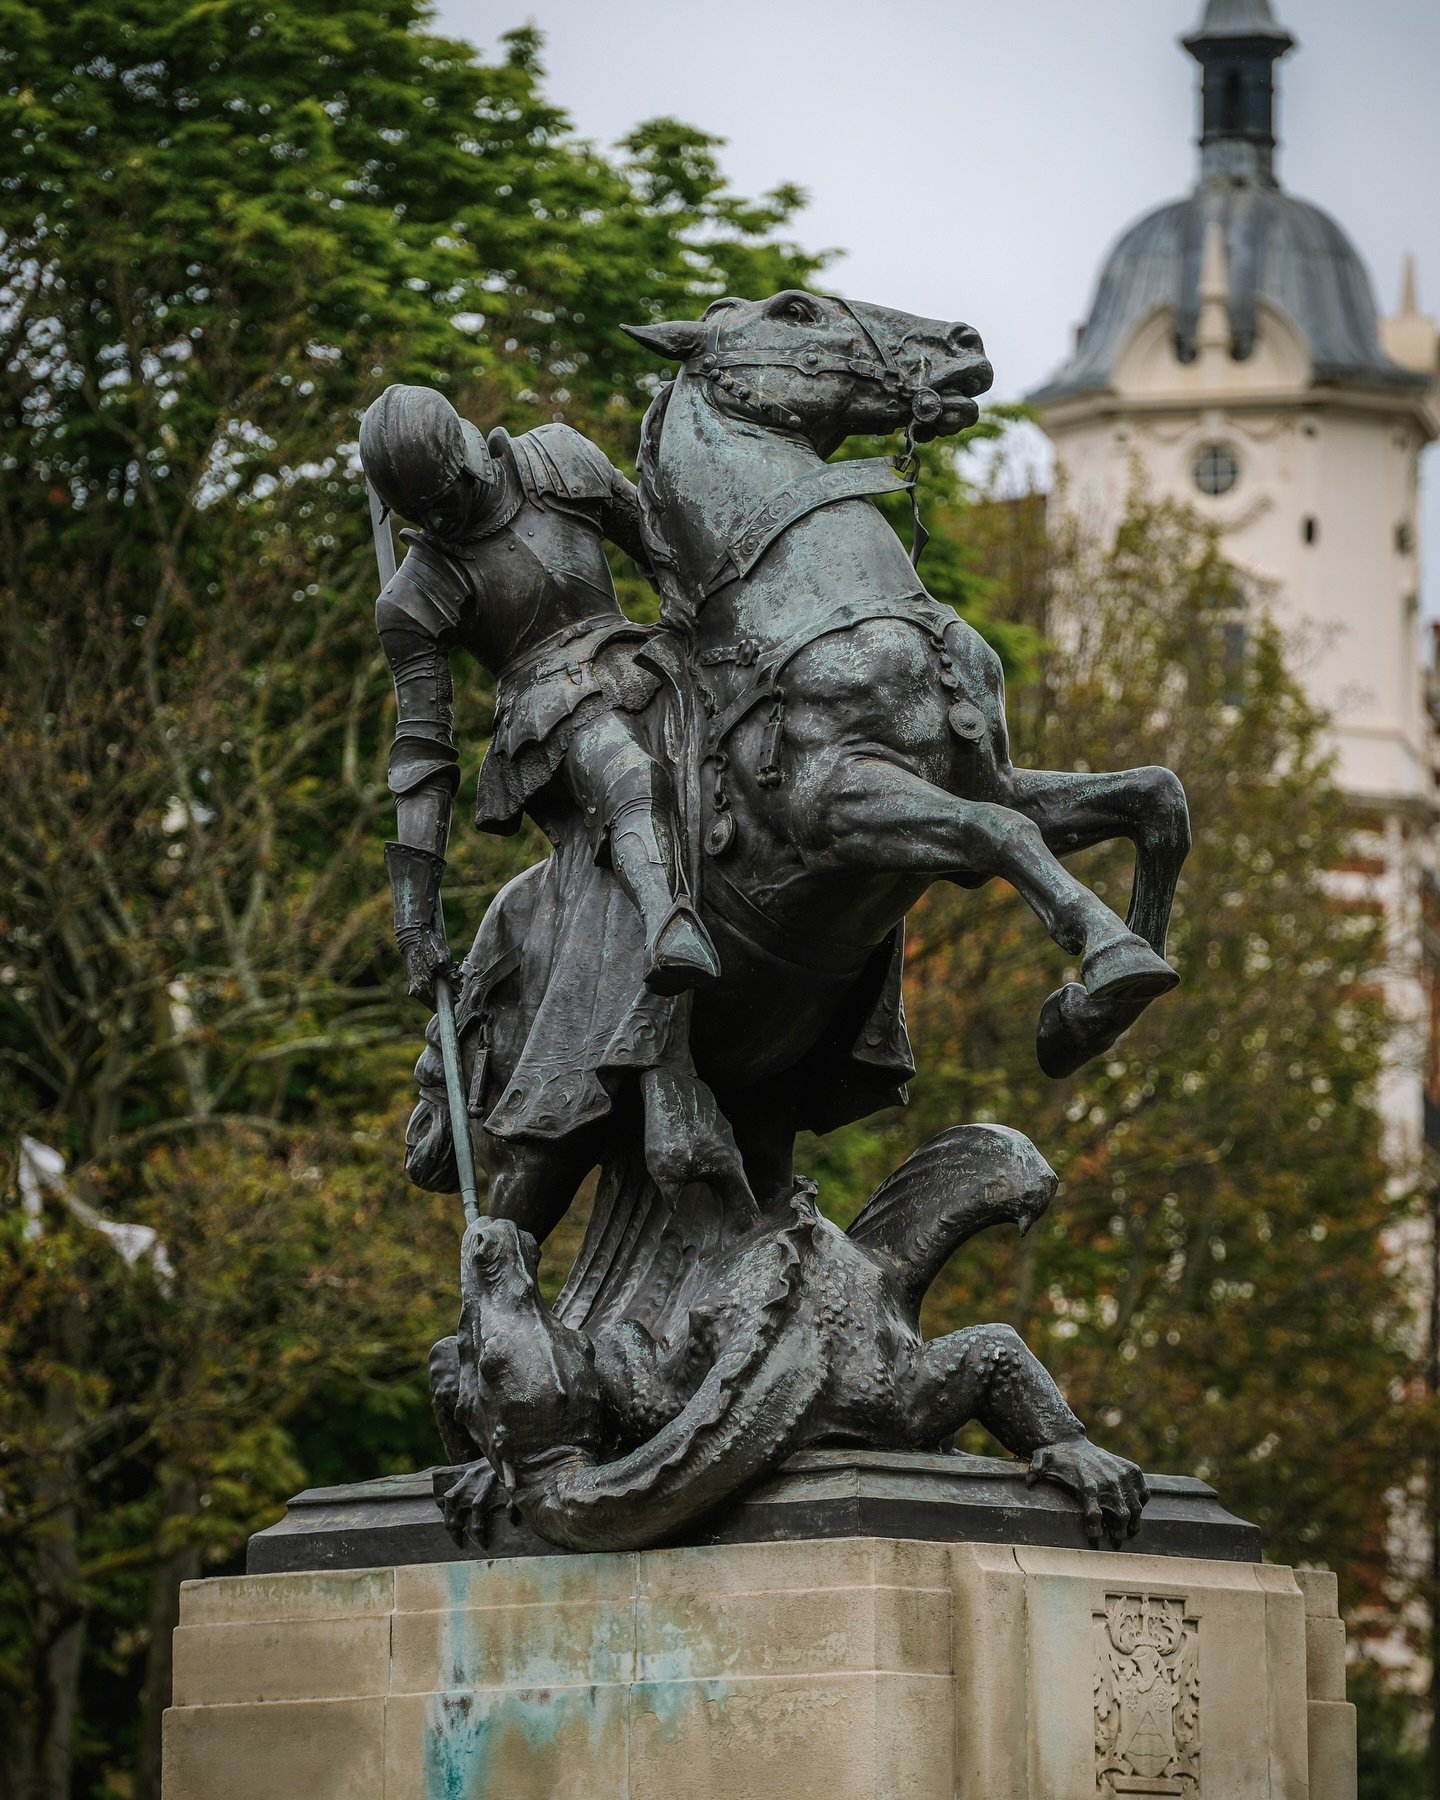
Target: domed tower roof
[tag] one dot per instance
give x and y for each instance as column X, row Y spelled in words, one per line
column 1238, row 18
column 1278, row 249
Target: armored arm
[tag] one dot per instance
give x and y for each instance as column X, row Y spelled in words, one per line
column 424, row 770
column 555, row 463
column 620, row 520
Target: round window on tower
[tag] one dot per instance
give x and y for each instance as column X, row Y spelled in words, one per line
column 1216, row 469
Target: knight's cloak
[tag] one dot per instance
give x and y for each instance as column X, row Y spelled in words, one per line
column 552, row 990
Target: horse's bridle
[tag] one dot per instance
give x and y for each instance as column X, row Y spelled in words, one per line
column 925, row 404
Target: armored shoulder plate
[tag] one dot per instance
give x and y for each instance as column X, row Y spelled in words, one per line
column 555, row 462
column 427, row 591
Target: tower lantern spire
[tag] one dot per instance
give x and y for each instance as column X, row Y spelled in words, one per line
column 1237, row 45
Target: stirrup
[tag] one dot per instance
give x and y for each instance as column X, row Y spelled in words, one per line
column 687, row 960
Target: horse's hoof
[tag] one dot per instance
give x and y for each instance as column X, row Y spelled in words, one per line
column 683, row 956
column 1058, row 1049
column 1075, row 1027
column 1126, row 969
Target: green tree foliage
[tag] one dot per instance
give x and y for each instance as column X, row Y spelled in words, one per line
column 1394, row 1760
column 222, row 228
column 1215, row 1284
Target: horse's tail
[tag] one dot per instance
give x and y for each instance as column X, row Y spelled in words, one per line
column 678, row 608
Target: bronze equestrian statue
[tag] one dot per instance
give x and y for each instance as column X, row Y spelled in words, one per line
column 837, row 742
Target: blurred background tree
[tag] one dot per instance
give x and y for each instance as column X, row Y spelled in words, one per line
column 222, row 230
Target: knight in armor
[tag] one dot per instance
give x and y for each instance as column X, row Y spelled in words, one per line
column 508, row 564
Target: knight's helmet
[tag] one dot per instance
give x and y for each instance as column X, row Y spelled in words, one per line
column 414, row 445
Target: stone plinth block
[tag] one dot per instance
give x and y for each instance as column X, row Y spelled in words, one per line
column 817, row 1494
column 835, row 1669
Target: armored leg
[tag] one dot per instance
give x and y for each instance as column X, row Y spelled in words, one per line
column 636, row 804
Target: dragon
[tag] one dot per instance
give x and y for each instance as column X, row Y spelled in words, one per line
column 786, row 1334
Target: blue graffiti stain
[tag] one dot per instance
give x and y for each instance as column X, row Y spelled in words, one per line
column 455, row 1750
column 476, row 1744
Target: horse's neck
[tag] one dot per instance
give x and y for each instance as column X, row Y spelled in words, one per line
column 717, row 473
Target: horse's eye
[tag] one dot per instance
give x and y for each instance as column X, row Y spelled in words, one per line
column 796, row 311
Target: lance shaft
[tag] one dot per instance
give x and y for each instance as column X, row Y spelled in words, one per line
column 444, row 999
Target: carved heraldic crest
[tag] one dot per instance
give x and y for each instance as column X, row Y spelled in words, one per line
column 1147, row 1698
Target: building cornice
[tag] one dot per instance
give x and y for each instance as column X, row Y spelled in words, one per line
column 1103, row 406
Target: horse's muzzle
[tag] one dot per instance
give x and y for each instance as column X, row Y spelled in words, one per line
column 966, row 375
column 945, row 404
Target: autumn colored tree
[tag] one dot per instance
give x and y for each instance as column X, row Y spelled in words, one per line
column 1212, row 1285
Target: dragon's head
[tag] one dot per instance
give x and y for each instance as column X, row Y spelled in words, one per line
column 529, row 1381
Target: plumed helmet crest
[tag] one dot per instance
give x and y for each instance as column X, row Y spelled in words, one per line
column 414, row 444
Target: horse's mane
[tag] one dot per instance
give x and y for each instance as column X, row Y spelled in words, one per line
column 678, row 608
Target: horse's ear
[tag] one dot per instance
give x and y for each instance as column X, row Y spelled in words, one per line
column 676, row 340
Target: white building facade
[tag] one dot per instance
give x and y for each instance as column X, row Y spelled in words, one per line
column 1234, row 359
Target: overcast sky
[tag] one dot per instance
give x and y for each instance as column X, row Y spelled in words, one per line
column 975, row 160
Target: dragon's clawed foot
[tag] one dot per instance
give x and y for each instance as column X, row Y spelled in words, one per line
column 1111, row 1491
column 471, row 1502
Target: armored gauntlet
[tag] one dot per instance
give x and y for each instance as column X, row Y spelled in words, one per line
column 415, row 889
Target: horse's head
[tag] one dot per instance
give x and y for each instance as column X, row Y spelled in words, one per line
column 828, row 368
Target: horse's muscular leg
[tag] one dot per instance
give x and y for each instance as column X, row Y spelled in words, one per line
column 1145, row 805
column 1073, row 812
column 533, row 1183
column 871, row 814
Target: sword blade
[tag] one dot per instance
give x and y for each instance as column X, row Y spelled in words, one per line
column 384, row 538
column 455, row 1099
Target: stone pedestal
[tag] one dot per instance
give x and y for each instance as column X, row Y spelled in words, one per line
column 842, row 1669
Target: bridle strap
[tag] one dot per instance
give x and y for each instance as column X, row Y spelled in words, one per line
column 808, row 362
column 885, row 372
column 881, row 368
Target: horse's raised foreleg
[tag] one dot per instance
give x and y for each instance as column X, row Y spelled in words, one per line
column 1074, row 811
column 1147, row 806
column 870, row 814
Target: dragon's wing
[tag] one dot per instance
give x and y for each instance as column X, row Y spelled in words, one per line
column 968, row 1178
column 644, row 1256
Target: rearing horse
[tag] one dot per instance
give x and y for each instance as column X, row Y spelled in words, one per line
column 855, row 743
